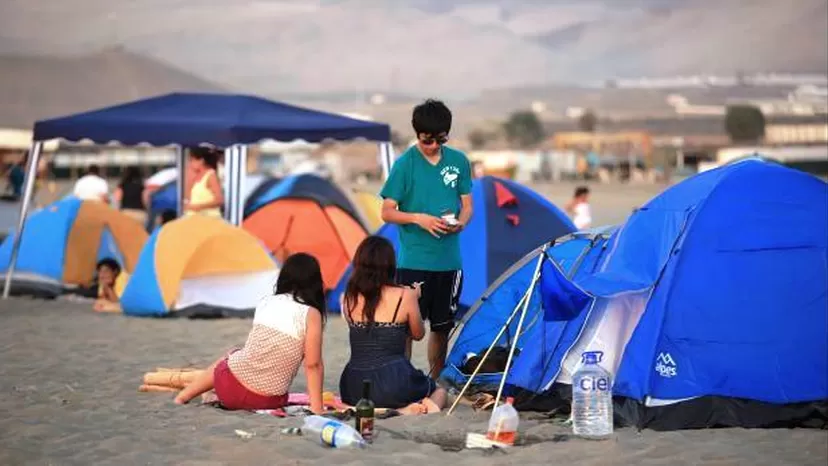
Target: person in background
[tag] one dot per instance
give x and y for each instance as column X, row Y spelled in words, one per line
column 128, row 195
column 16, row 175
column 428, row 193
column 478, row 169
column 91, row 187
column 202, row 189
column 381, row 316
column 156, row 182
column 111, row 283
column 287, row 329
column 579, row 209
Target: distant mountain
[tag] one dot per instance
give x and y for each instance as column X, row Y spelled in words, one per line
column 37, row 87
column 439, row 47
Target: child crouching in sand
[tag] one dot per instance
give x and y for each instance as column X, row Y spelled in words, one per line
column 287, row 329
column 111, row 282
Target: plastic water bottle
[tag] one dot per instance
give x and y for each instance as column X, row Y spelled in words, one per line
column 592, row 398
column 332, row 433
column 503, row 424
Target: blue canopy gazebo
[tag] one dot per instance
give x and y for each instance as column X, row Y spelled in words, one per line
column 185, row 120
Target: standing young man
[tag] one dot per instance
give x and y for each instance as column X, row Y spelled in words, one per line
column 428, row 193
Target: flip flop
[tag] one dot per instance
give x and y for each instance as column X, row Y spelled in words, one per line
column 483, row 402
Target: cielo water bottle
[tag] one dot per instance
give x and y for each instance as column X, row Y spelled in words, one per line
column 592, row 398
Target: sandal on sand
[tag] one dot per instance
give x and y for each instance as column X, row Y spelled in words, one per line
column 387, row 414
column 483, row 402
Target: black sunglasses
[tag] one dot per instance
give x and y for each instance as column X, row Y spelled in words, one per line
column 439, row 140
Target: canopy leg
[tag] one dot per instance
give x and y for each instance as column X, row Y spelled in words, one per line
column 28, row 190
column 235, row 167
column 181, row 166
column 387, row 157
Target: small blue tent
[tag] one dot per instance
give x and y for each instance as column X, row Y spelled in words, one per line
column 577, row 255
column 509, row 221
column 710, row 306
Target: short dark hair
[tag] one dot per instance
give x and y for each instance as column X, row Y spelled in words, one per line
column 93, row 170
column 168, row 215
column 109, row 263
column 431, row 117
column 581, row 190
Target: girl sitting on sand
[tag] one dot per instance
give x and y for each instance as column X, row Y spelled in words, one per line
column 381, row 317
column 287, row 328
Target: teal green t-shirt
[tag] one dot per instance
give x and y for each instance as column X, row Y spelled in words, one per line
column 421, row 187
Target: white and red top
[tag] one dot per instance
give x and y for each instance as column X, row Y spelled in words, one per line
column 275, row 346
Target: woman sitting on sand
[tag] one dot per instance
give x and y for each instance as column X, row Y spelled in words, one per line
column 287, row 328
column 381, row 317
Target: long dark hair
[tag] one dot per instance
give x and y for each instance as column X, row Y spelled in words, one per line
column 375, row 265
column 301, row 277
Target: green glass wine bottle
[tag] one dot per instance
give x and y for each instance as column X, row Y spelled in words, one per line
column 365, row 413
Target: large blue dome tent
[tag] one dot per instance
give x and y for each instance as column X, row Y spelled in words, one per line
column 710, row 306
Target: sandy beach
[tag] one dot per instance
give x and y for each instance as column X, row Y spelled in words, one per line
column 68, row 396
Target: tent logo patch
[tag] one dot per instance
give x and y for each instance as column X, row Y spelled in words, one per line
column 665, row 365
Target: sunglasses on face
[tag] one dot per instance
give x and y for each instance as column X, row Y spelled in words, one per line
column 440, row 140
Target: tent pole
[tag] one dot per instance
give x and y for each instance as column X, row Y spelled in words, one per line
column 227, row 185
column 28, row 191
column 181, row 167
column 240, row 178
column 387, row 157
column 235, row 163
column 486, row 354
column 532, row 285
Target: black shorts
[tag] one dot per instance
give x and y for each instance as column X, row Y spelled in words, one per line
column 440, row 295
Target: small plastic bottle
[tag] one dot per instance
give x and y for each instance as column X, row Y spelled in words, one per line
column 503, row 424
column 332, row 433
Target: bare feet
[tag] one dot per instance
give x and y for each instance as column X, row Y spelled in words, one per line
column 431, row 406
column 413, row 409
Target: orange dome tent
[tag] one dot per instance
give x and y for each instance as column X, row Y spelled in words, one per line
column 306, row 213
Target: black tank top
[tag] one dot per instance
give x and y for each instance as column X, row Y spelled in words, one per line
column 132, row 195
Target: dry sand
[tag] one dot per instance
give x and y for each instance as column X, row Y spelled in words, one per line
column 68, row 395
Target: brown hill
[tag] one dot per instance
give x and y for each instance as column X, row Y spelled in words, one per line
column 37, row 87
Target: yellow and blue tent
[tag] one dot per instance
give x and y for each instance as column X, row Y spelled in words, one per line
column 370, row 205
column 63, row 242
column 199, row 266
